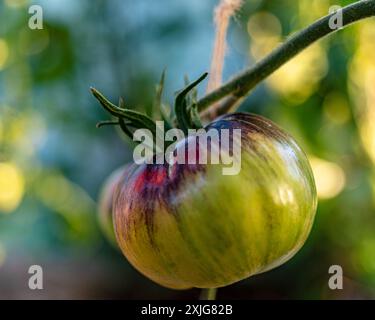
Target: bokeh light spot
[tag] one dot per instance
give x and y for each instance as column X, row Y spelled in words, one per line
column 361, row 86
column 11, row 187
column 298, row 79
column 336, row 108
column 2, row 254
column 263, row 25
column 4, row 53
column 265, row 32
column 1, row 131
column 16, row 3
column 329, row 177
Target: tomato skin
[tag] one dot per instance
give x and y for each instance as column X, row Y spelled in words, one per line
column 105, row 204
column 189, row 226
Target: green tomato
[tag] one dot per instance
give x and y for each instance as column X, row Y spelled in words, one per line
column 187, row 226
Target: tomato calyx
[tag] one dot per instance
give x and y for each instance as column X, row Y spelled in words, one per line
column 184, row 115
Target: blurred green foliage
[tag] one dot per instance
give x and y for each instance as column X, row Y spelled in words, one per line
column 53, row 160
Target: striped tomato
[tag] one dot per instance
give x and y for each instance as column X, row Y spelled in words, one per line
column 189, row 226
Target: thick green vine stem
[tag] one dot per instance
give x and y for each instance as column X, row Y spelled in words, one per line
column 208, row 294
column 237, row 88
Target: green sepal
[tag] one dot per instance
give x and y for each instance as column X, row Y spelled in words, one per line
column 133, row 118
column 192, row 97
column 195, row 117
column 107, row 123
column 159, row 92
column 125, row 128
column 121, row 103
column 158, row 104
column 182, row 109
column 166, row 116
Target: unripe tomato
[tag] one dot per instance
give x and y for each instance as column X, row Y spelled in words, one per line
column 105, row 204
column 189, row 226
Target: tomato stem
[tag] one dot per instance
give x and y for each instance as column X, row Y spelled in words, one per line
column 236, row 89
column 208, row 294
